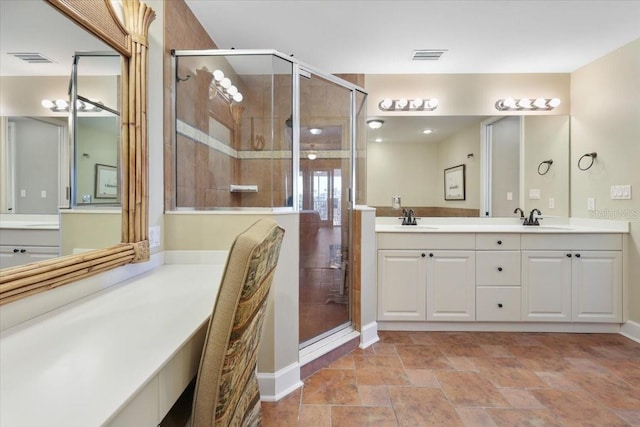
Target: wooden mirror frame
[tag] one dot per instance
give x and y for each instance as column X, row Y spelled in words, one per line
column 130, row 40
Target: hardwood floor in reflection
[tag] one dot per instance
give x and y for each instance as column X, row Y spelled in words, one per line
column 472, row 379
column 323, row 300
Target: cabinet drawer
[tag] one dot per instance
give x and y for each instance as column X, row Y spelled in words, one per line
column 498, row 303
column 572, row 242
column 498, row 241
column 498, row 268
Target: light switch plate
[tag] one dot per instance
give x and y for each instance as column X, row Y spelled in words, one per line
column 620, row 192
column 591, row 204
column 509, row 195
column 552, row 203
column 43, row 194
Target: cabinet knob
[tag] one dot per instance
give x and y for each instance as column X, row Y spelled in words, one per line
column 499, row 305
column 23, row 251
column 499, row 242
column 568, row 255
column 431, row 255
column 424, row 255
column 15, row 251
column 499, row 268
column 577, row 255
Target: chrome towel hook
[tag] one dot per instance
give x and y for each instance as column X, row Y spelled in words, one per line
column 593, row 157
column 548, row 163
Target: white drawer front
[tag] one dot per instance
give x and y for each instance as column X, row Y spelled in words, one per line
column 498, row 241
column 498, row 268
column 497, row 303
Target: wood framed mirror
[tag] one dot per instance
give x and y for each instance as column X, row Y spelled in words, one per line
column 129, row 38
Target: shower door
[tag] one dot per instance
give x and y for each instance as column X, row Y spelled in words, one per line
column 323, row 194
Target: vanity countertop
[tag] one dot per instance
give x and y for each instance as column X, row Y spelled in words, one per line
column 29, row 222
column 494, row 225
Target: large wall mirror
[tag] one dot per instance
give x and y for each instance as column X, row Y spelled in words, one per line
column 506, row 164
column 97, row 37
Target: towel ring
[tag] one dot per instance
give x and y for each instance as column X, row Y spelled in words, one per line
column 593, row 157
column 548, row 163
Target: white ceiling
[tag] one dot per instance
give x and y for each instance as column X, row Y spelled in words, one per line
column 378, row 37
column 34, row 26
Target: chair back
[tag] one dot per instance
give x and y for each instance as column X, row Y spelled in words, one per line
column 226, row 392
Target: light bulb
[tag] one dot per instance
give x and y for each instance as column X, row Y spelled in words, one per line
column 315, row 131
column 225, row 83
column 375, row 124
column 232, row 90
column 385, row 104
column 61, row 104
column 218, row 75
column 524, row 103
column 47, row 103
column 402, row 103
column 312, row 155
column 378, row 140
column 427, row 131
column 554, row 102
column 417, row 103
column 509, row 103
column 540, row 103
column 433, row 103
column 238, row 97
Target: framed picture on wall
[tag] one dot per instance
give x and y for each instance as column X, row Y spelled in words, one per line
column 106, row 182
column 454, row 183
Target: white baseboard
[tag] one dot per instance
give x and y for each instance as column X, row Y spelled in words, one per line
column 275, row 386
column 501, row 327
column 631, row 330
column 369, row 335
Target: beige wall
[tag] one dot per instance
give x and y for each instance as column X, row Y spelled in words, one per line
column 546, row 138
column 89, row 230
column 401, row 169
column 605, row 118
column 452, row 152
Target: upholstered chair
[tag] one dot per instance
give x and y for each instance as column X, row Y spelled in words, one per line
column 226, row 392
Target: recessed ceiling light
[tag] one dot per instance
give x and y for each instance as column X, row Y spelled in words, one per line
column 427, row 131
column 375, row 123
column 315, row 131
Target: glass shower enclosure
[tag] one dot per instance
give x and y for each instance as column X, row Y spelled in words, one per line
column 256, row 129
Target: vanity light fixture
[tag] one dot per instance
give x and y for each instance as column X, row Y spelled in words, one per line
column 315, row 131
column 403, row 104
column 510, row 104
column 375, row 123
column 61, row 105
column 224, row 87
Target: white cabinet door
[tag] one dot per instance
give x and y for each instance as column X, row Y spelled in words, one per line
column 597, row 286
column 402, row 282
column 451, row 285
column 546, row 285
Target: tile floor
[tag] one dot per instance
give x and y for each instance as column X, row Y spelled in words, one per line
column 472, row 379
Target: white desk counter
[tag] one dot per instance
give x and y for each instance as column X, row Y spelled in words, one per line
column 120, row 356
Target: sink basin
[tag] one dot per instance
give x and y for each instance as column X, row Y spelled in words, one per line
column 547, row 227
column 415, row 227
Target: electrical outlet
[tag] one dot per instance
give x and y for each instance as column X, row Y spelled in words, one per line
column 591, row 204
column 23, row 193
column 154, row 237
column 43, row 194
column 509, row 195
column 552, row 203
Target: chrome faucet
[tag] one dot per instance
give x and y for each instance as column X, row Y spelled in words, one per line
column 532, row 220
column 408, row 218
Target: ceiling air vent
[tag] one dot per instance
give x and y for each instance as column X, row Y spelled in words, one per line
column 427, row 54
column 32, row 57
